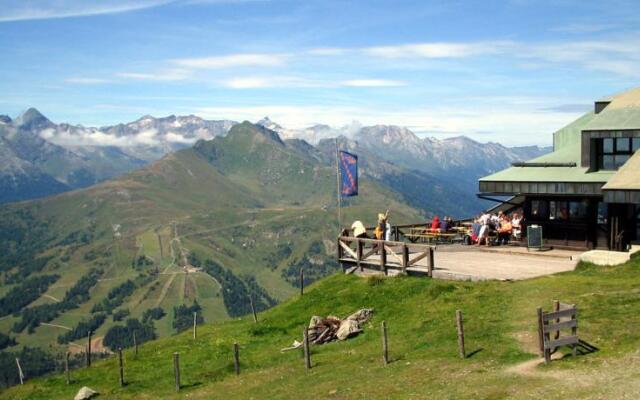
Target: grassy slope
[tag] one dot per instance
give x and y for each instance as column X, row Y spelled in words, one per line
column 232, row 209
column 499, row 323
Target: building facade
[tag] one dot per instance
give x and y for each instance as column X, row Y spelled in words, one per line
column 586, row 193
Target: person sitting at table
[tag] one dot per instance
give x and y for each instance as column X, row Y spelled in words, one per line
column 505, row 230
column 444, row 225
column 435, row 224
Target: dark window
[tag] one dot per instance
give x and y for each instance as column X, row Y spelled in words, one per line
column 614, row 152
column 558, row 210
column 539, row 209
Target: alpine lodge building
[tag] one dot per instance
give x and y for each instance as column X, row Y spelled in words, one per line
column 586, row 193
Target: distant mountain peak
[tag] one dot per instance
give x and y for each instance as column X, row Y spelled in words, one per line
column 269, row 124
column 5, row 119
column 32, row 118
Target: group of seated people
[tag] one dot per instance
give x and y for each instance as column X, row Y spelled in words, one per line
column 438, row 225
column 500, row 227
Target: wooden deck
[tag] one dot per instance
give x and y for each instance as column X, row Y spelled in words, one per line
column 449, row 261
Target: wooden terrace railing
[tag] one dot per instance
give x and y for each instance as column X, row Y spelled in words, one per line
column 384, row 255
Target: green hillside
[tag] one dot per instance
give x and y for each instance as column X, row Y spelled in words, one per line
column 500, row 322
column 247, row 211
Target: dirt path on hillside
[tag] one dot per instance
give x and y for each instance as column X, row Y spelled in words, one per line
column 165, row 290
column 56, row 326
column 97, row 346
column 48, row 296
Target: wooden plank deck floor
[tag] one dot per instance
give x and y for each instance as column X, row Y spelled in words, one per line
column 471, row 263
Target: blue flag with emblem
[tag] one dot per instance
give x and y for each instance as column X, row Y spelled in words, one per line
column 348, row 164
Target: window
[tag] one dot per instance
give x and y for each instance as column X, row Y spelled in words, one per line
column 568, row 210
column 558, row 210
column 539, row 209
column 614, row 152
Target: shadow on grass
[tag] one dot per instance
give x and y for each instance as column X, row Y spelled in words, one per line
column 473, row 353
column 586, row 348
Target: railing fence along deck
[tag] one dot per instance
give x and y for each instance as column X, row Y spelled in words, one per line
column 384, row 255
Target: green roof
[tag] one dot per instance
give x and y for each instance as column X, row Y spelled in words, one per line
column 627, row 176
column 622, row 113
column 566, row 142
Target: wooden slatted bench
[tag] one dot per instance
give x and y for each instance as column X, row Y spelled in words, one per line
column 551, row 324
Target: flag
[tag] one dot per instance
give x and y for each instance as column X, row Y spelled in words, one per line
column 348, row 164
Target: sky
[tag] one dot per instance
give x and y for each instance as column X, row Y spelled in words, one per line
column 510, row 71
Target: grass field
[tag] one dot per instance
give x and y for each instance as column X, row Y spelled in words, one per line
column 500, row 325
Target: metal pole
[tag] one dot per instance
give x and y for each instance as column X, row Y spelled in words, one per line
column 338, row 188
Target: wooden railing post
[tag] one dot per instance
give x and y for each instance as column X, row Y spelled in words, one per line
column 430, row 263
column 556, row 307
column 383, row 256
column 359, row 247
column 405, row 258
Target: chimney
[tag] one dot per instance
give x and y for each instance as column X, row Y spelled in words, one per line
column 601, row 105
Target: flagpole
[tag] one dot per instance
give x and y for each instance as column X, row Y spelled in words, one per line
column 338, row 189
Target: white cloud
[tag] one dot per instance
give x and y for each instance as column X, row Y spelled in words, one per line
column 163, row 75
column 495, row 119
column 19, row 10
column 372, row 83
column 75, row 136
column 178, row 138
column 233, row 60
column 438, row 50
column 86, row 81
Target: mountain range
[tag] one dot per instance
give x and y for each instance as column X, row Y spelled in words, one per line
column 232, row 211
column 40, row 158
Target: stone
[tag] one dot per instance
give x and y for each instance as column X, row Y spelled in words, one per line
column 85, row 393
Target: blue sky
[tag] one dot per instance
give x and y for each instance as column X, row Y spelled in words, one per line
column 507, row 71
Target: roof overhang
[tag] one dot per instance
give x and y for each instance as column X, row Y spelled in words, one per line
column 513, row 188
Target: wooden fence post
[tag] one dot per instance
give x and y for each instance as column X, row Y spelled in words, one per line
column 385, row 345
column 135, row 344
column 383, row 257
column 540, row 331
column 405, row 258
column 359, row 249
column 430, row 264
column 121, row 367
column 236, row 358
column 253, row 310
column 176, row 370
column 460, row 329
column 574, row 331
column 307, row 353
column 301, row 281
column 195, row 325
column 89, row 348
column 556, row 308
column 20, row 374
column 66, row 368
